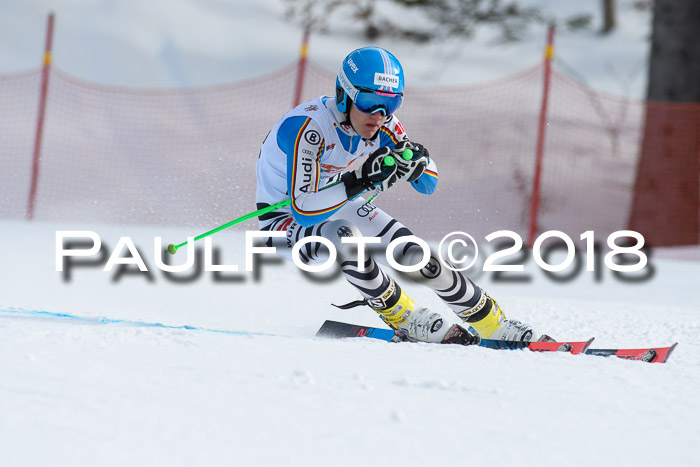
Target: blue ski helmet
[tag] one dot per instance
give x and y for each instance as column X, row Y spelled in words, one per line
column 372, row 78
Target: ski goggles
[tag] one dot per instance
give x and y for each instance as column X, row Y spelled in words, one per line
column 370, row 101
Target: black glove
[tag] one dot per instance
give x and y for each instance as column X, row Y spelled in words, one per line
column 412, row 168
column 378, row 171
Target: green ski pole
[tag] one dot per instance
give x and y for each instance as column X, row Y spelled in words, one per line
column 172, row 248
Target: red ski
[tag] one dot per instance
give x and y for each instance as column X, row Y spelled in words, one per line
column 335, row 329
column 574, row 347
column 649, row 354
column 571, row 347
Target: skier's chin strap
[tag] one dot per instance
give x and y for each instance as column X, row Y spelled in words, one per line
column 349, row 123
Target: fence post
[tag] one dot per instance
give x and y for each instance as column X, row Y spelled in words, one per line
column 40, row 117
column 535, row 198
column 301, row 67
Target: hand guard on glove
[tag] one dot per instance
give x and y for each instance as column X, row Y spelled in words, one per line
column 411, row 160
column 378, row 171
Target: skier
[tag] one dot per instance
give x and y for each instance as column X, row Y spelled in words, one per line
column 306, row 157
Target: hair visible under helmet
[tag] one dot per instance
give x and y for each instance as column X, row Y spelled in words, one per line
column 372, row 79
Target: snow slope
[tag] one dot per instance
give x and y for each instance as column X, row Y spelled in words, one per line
column 74, row 393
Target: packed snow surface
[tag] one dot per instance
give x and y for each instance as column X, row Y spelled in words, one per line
column 76, row 393
column 79, row 393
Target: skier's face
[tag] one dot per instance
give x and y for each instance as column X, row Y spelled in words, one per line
column 366, row 125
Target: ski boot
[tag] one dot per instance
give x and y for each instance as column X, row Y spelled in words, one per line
column 418, row 324
column 490, row 322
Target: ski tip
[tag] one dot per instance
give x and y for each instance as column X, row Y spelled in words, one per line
column 326, row 329
column 587, row 345
column 670, row 351
column 338, row 330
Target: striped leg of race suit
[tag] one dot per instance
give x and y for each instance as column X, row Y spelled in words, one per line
column 464, row 297
column 359, row 218
column 367, row 277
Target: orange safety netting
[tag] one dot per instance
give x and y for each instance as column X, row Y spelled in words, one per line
column 187, row 157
